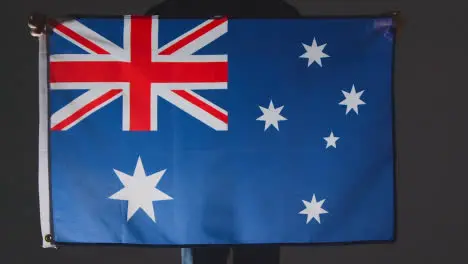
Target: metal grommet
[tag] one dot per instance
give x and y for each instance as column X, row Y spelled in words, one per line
column 48, row 238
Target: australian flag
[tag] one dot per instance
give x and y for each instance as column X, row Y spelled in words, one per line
column 220, row 131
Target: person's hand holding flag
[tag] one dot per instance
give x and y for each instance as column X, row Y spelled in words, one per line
column 37, row 24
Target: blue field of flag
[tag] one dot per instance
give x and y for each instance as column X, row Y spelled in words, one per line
column 283, row 135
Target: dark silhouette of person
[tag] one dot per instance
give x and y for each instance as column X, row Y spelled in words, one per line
column 231, row 9
column 242, row 254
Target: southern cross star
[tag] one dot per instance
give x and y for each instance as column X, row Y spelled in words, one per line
column 352, row 100
column 314, row 53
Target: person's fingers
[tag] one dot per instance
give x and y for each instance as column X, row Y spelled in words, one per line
column 37, row 23
column 34, row 20
column 35, row 34
column 31, row 25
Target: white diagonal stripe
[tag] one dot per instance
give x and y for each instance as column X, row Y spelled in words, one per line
column 200, row 42
column 93, row 36
column 207, row 102
column 58, row 32
column 193, row 110
column 78, row 104
column 203, row 40
column 185, row 34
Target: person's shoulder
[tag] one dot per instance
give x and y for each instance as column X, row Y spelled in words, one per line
column 251, row 8
column 286, row 10
column 159, row 8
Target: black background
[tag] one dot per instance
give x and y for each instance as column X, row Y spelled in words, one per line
column 431, row 117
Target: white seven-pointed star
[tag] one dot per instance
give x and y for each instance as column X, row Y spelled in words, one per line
column 271, row 116
column 139, row 190
column 313, row 209
column 331, row 140
column 314, row 53
column 352, row 100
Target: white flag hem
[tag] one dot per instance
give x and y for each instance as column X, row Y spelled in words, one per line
column 44, row 201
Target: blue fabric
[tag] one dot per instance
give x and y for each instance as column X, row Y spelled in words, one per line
column 247, row 184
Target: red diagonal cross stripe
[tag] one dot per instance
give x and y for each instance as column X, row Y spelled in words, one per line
column 208, row 108
column 83, row 111
column 77, row 37
column 196, row 34
column 140, row 72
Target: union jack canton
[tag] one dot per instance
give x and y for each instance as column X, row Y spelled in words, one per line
column 140, row 72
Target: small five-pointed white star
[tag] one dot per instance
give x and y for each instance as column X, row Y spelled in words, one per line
column 313, row 209
column 314, row 53
column 331, row 140
column 139, row 190
column 352, row 100
column 271, row 116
